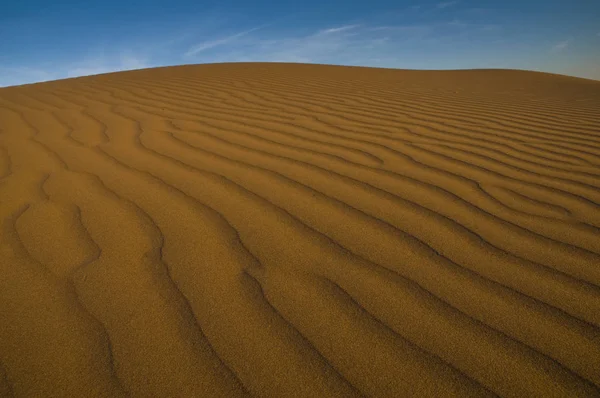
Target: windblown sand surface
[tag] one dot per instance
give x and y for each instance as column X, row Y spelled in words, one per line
column 300, row 230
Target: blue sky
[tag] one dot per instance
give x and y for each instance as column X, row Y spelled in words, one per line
column 46, row 40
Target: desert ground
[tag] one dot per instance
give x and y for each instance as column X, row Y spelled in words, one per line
column 295, row 230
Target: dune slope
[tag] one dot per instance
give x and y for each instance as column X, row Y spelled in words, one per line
column 300, row 230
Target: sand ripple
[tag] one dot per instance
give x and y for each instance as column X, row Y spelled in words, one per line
column 300, row 230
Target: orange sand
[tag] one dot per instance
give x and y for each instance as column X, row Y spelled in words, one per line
column 285, row 230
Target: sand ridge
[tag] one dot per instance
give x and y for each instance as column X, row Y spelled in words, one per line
column 300, row 230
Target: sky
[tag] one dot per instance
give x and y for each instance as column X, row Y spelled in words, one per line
column 44, row 40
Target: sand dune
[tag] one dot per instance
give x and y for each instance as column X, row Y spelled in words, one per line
column 300, row 230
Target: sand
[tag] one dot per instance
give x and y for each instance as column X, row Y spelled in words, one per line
column 283, row 230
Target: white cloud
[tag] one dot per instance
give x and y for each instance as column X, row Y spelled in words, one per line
column 87, row 71
column 457, row 23
column 356, row 44
column 91, row 65
column 561, row 45
column 446, row 4
column 13, row 76
column 106, row 64
column 129, row 62
column 285, row 49
column 331, row 45
column 337, row 30
column 219, row 42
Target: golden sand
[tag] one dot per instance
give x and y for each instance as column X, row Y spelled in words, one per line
column 285, row 230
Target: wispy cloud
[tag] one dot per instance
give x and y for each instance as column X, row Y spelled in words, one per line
column 357, row 44
column 561, row 45
column 446, row 4
column 457, row 23
column 23, row 75
column 91, row 65
column 104, row 63
column 219, row 42
column 339, row 29
column 480, row 11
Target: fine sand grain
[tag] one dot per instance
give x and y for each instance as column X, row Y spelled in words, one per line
column 283, row 230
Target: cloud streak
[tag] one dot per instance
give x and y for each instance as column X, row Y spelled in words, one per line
column 561, row 45
column 446, row 4
column 98, row 64
column 10, row 76
column 337, row 30
column 321, row 46
column 219, row 42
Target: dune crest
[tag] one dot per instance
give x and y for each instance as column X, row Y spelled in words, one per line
column 300, row 230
